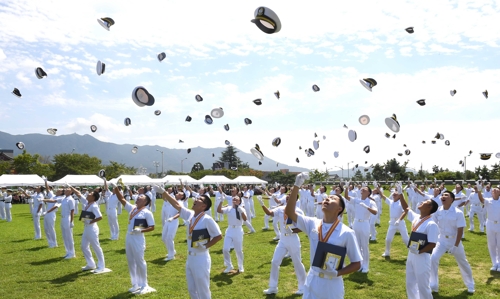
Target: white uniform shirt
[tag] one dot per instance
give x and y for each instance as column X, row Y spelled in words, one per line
column 493, row 209
column 361, row 212
column 281, row 197
column 50, row 195
column 94, row 208
column 320, row 197
column 279, row 215
column 429, row 227
column 395, row 208
column 486, row 193
column 205, row 222
column 112, row 204
column 67, row 204
column 143, row 214
column 231, row 216
column 37, row 201
column 448, row 222
column 475, row 203
column 342, row 236
column 459, row 199
column 468, row 192
column 410, row 192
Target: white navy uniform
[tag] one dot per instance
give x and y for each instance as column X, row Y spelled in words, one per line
column 49, row 221
column 170, row 226
column 218, row 199
column 90, row 236
column 319, row 198
column 36, row 213
column 2, row 205
column 321, row 284
column 288, row 243
column 8, row 206
column 67, row 205
column 252, row 203
column 459, row 199
column 476, row 208
column 350, row 207
column 375, row 218
column 153, row 200
column 448, row 222
column 412, row 197
column 246, row 203
column 233, row 237
column 418, row 266
column 395, row 211
column 198, row 262
column 361, row 227
column 492, row 207
column 135, row 245
column 111, row 212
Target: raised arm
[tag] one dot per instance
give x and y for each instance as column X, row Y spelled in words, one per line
column 168, row 197
column 119, row 195
column 479, row 194
column 292, row 200
column 266, row 210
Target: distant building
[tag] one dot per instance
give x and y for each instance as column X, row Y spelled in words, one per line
column 6, row 155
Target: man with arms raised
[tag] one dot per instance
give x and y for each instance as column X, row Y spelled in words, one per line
column 202, row 233
column 321, row 283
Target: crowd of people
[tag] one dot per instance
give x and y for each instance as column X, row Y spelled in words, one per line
column 339, row 224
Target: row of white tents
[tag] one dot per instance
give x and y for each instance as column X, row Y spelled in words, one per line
column 8, row 180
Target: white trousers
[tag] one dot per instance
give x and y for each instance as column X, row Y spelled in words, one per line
column 135, row 245
column 442, row 246
column 480, row 216
column 198, row 275
column 321, row 288
column 418, row 272
column 67, row 234
column 379, row 213
column 2, row 210
column 350, row 214
column 36, row 224
column 153, row 205
column 8, row 214
column 493, row 234
column 391, row 231
column 77, row 203
column 114, row 228
column 310, row 209
column 120, row 208
column 233, row 238
column 168, row 236
column 49, row 222
column 290, row 244
column 362, row 231
column 218, row 216
column 90, row 237
column 373, row 231
column 248, row 210
column 275, row 225
column 252, row 206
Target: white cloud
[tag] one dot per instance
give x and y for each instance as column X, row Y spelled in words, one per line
column 81, row 78
column 304, row 50
column 186, row 64
column 125, row 72
column 2, row 55
column 22, row 77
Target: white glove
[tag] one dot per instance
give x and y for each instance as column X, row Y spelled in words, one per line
column 201, row 186
column 158, row 189
column 259, row 198
column 170, row 219
column 241, row 210
column 263, row 186
column 44, row 178
column 413, row 250
column 334, row 273
column 301, row 178
column 396, row 222
column 113, row 185
column 453, row 249
column 71, row 225
column 202, row 246
column 364, row 205
column 43, row 214
column 217, row 184
column 20, row 189
column 136, row 231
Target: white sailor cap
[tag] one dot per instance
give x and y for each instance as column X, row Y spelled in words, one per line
column 266, row 20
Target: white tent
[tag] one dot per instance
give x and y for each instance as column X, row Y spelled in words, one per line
column 174, row 179
column 212, row 179
column 134, row 180
column 248, row 180
column 79, row 180
column 21, row 180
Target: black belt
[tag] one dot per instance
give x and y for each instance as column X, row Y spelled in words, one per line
column 2, row 200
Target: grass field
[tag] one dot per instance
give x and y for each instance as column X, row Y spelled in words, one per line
column 29, row 269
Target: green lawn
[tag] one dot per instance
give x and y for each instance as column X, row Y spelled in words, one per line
column 31, row 270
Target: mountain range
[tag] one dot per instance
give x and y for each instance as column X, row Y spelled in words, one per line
column 48, row 145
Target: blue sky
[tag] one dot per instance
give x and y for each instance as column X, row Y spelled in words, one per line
column 214, row 50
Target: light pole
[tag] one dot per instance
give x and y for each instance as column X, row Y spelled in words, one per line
column 182, row 165
column 342, row 171
column 72, row 151
column 348, row 176
column 161, row 160
column 465, row 165
column 156, row 164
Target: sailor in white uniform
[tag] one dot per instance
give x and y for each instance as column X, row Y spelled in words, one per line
column 90, row 236
column 198, row 262
column 289, row 243
column 236, row 215
column 140, row 221
column 67, row 205
column 7, row 196
column 364, row 206
column 492, row 206
column 325, row 281
column 397, row 213
column 170, row 223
